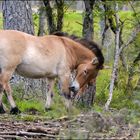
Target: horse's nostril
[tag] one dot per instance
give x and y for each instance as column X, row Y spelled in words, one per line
column 72, row 88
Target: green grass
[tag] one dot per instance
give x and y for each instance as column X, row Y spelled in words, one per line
column 73, row 23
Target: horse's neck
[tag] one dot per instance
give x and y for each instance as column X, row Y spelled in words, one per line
column 79, row 55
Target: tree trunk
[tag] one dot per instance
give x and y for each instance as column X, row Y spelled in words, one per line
column 18, row 16
column 116, row 59
column 52, row 24
column 60, row 14
column 89, row 93
column 88, row 19
column 42, row 20
column 50, row 17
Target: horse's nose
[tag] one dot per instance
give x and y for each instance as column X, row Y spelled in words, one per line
column 72, row 88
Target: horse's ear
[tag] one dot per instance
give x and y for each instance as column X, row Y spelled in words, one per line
column 95, row 61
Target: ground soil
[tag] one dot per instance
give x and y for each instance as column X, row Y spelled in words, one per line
column 87, row 125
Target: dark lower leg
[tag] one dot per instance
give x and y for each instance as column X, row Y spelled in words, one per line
column 15, row 110
column 8, row 92
column 1, row 95
column 2, row 109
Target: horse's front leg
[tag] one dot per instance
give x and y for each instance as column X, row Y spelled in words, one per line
column 65, row 83
column 49, row 94
column 5, row 87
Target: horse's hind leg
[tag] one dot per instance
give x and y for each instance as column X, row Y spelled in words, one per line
column 49, row 94
column 5, row 87
column 1, row 95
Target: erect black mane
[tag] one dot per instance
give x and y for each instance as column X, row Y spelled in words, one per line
column 88, row 44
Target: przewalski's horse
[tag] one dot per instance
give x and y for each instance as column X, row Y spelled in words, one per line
column 95, row 49
column 45, row 57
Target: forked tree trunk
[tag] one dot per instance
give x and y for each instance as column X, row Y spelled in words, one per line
column 17, row 15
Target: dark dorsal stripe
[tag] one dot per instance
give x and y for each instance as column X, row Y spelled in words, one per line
column 88, row 44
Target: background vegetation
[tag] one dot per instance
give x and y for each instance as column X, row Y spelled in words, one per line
column 121, row 97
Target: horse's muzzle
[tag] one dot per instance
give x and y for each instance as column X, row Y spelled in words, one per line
column 74, row 87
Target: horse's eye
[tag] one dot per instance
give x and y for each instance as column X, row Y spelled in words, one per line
column 85, row 72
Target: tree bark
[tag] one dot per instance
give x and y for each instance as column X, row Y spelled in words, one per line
column 18, row 16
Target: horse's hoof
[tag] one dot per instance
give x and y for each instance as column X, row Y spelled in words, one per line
column 15, row 111
column 2, row 111
column 48, row 109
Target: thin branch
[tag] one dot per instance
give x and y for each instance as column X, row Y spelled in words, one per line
column 79, row 23
column 131, row 40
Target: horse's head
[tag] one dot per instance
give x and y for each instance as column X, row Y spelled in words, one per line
column 85, row 72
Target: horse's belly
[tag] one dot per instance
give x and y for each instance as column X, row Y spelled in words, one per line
column 35, row 64
column 36, row 71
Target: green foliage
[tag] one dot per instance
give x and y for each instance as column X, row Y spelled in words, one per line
column 73, row 23
column 121, row 99
column 36, row 22
column 1, row 21
column 102, row 86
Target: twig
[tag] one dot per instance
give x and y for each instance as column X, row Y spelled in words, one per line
column 79, row 23
column 134, row 12
column 23, row 133
column 11, row 137
column 40, row 129
column 131, row 40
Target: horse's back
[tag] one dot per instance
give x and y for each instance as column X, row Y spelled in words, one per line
column 12, row 47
